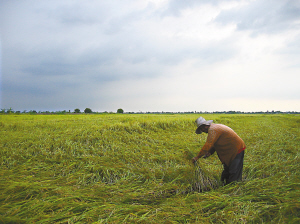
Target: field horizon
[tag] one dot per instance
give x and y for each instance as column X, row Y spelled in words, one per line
column 136, row 168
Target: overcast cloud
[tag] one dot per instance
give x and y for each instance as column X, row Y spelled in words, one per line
column 156, row 55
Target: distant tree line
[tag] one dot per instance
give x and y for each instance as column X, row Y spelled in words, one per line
column 121, row 111
column 76, row 111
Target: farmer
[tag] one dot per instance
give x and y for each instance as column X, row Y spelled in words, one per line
column 229, row 146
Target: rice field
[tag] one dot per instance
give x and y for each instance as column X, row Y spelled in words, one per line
column 136, row 168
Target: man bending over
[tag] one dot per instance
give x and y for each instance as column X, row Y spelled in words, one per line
column 228, row 145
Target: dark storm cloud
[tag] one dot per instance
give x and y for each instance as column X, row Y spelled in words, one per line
column 32, row 88
column 57, row 62
column 55, row 33
column 70, row 53
column 264, row 16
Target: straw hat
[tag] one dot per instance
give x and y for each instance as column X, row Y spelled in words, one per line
column 201, row 121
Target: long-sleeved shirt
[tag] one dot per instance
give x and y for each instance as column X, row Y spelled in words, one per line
column 224, row 141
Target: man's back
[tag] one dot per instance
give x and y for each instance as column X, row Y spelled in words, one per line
column 225, row 141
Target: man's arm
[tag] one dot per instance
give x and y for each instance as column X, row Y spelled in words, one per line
column 205, row 150
column 210, row 152
column 209, row 145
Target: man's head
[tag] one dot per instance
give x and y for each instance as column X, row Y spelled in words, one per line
column 202, row 125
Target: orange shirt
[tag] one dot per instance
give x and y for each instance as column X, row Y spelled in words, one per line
column 224, row 140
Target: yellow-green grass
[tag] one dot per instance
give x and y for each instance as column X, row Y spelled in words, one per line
column 129, row 168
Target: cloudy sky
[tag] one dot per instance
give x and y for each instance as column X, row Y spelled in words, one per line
column 150, row 55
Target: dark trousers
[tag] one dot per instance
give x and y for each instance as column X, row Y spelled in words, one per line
column 233, row 172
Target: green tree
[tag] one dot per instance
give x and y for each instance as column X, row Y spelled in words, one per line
column 77, row 111
column 87, row 110
column 120, row 111
column 10, row 111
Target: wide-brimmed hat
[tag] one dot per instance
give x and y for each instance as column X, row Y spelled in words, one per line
column 201, row 121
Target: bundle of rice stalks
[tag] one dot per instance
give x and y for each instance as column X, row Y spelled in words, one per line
column 203, row 180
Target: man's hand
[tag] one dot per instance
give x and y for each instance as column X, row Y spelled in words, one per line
column 195, row 159
column 206, row 155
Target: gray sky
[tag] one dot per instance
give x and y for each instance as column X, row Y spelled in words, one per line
column 150, row 55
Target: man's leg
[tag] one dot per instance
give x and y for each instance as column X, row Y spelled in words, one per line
column 225, row 174
column 236, row 168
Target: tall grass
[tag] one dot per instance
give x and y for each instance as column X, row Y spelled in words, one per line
column 137, row 169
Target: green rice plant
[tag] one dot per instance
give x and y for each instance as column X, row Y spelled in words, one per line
column 121, row 168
